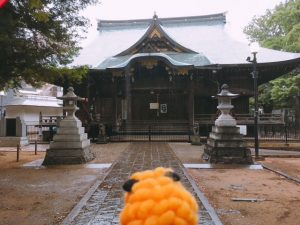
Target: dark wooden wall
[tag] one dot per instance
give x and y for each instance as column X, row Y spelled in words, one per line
column 140, row 86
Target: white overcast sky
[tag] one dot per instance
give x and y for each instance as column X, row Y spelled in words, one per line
column 239, row 12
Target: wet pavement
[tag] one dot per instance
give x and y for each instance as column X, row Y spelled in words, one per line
column 105, row 203
column 42, row 147
column 276, row 153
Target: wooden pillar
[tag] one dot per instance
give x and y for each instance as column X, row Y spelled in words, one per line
column 128, row 95
column 191, row 102
column 114, row 100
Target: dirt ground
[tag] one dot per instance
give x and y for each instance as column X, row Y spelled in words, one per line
column 279, row 198
column 44, row 196
column 290, row 166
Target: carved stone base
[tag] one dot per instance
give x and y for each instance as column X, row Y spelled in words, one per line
column 68, row 156
column 227, row 155
column 102, row 139
column 225, row 145
column 196, row 140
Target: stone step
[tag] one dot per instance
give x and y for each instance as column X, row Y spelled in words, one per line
column 223, row 136
column 69, row 144
column 226, row 143
column 70, row 123
column 70, row 137
column 70, row 130
column 226, row 130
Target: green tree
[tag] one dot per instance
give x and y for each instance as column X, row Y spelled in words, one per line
column 39, row 36
column 279, row 29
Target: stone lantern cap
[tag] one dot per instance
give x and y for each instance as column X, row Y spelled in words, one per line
column 70, row 95
column 225, row 93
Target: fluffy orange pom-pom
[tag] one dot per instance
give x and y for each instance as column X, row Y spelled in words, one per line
column 156, row 197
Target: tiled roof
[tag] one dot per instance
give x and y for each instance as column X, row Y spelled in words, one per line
column 206, row 35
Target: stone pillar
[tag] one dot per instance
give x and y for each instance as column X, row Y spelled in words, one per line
column 2, row 127
column 102, row 138
column 20, row 127
column 70, row 144
column 19, row 138
column 225, row 143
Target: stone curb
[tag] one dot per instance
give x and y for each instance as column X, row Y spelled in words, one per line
column 77, row 208
column 211, row 211
column 282, row 174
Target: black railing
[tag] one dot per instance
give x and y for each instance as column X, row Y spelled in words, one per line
column 152, row 131
column 165, row 131
column 287, row 132
column 40, row 133
column 242, row 119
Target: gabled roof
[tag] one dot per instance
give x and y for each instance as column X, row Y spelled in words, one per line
column 118, row 41
column 155, row 39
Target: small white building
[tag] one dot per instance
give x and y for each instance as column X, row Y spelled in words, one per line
column 28, row 102
column 22, row 108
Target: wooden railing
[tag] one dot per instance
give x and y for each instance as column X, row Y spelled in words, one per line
column 242, row 119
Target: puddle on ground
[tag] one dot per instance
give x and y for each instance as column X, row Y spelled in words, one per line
column 34, row 164
column 98, row 165
column 37, row 164
column 222, row 166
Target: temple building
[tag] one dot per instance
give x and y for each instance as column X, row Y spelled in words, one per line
column 166, row 69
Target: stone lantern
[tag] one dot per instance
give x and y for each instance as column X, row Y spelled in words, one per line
column 224, row 100
column 70, row 102
column 70, row 144
column 225, row 144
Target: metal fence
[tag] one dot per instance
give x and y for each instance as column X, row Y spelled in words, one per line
column 152, row 131
column 40, row 133
column 165, row 131
column 286, row 132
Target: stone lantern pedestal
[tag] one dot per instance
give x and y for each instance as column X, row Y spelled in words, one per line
column 70, row 144
column 102, row 138
column 225, row 143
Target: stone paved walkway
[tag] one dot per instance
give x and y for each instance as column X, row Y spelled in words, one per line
column 105, row 204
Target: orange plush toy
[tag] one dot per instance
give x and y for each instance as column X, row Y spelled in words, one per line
column 156, row 197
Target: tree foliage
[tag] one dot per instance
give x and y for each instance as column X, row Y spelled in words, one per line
column 39, row 36
column 279, row 29
column 285, row 90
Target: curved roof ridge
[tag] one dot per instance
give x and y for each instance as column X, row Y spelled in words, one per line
column 157, row 54
column 218, row 18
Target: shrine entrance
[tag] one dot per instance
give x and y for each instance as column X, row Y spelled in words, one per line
column 159, row 105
